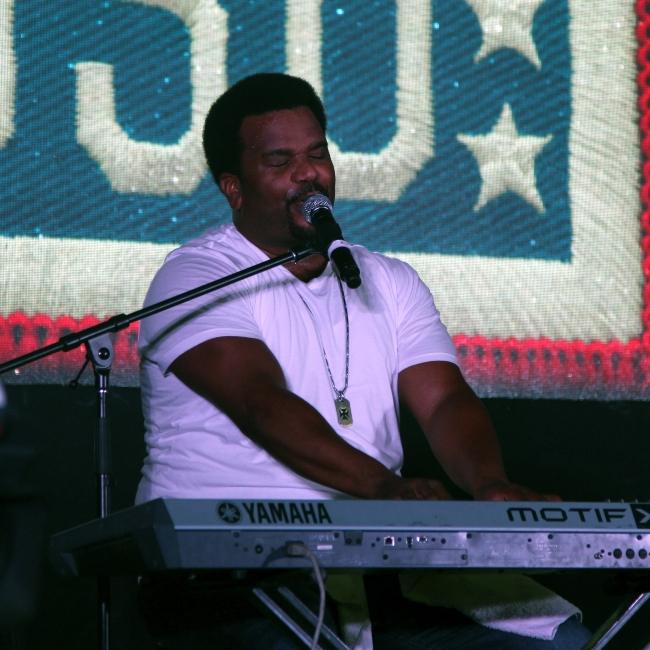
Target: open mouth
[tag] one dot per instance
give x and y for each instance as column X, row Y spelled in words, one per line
column 297, row 202
column 296, row 207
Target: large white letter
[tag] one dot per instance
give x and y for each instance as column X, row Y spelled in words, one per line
column 383, row 175
column 7, row 72
column 147, row 167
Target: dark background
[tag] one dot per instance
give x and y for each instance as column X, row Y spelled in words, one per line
column 585, row 451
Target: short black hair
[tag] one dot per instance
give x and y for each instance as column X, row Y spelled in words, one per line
column 260, row 93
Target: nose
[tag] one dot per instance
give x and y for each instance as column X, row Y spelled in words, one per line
column 304, row 170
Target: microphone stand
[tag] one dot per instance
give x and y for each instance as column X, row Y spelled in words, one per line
column 99, row 351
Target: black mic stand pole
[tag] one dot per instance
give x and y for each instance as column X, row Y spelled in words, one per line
column 99, row 351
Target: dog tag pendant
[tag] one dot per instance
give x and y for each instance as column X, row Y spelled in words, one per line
column 343, row 410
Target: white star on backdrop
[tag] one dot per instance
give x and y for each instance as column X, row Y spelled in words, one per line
column 506, row 161
column 507, row 23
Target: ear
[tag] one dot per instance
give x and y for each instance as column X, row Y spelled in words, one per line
column 230, row 185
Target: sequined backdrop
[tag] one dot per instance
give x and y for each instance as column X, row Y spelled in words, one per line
column 493, row 145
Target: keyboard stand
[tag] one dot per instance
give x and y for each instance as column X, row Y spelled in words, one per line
column 291, row 599
column 603, row 635
column 616, row 621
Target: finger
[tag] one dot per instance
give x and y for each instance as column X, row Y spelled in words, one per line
column 551, row 497
column 527, row 494
column 422, row 489
column 434, row 490
column 511, row 492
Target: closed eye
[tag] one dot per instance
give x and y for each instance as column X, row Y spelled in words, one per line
column 276, row 159
column 319, row 153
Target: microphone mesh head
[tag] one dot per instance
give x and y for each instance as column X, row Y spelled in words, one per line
column 314, row 203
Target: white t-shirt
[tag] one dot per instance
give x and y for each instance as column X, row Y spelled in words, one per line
column 195, row 450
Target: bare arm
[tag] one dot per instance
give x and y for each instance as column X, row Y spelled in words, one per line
column 242, row 378
column 459, row 431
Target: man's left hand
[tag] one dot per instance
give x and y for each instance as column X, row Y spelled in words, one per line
column 506, row 491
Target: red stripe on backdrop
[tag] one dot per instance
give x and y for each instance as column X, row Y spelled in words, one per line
column 20, row 334
column 551, row 368
column 547, row 366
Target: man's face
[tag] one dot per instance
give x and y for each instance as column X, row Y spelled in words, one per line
column 284, row 159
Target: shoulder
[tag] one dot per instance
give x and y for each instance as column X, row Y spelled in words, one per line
column 395, row 282
column 214, row 254
column 224, row 243
column 385, row 268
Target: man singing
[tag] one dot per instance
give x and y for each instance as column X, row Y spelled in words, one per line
column 288, row 385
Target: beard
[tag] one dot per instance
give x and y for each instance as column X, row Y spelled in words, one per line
column 301, row 233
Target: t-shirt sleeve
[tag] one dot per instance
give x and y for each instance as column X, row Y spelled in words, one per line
column 224, row 312
column 422, row 336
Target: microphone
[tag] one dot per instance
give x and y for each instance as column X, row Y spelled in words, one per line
column 317, row 210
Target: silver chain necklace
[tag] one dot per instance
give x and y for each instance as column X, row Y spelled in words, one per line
column 341, row 403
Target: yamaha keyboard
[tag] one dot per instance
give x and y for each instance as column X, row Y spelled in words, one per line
column 196, row 534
